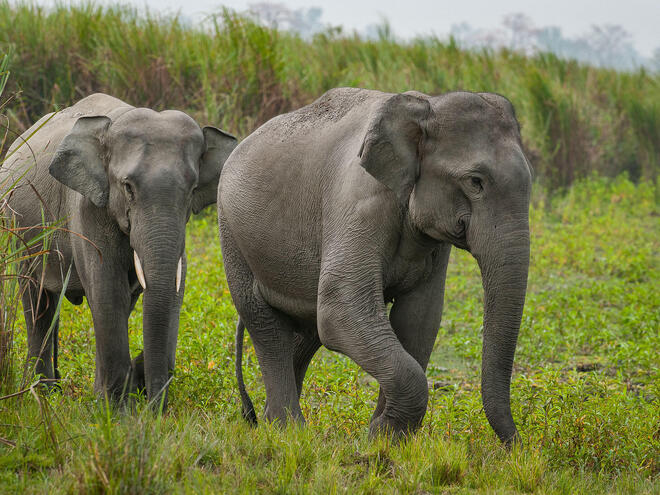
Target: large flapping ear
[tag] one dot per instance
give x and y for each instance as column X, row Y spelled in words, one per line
column 219, row 145
column 391, row 151
column 78, row 162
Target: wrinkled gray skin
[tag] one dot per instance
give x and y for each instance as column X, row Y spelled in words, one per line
column 127, row 180
column 329, row 213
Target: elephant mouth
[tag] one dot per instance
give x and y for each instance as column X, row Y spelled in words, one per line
column 457, row 240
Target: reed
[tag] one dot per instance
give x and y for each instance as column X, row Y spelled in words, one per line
column 234, row 73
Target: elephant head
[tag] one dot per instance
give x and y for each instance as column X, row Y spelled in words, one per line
column 456, row 165
column 145, row 172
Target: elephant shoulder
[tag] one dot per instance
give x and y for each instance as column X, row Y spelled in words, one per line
column 329, row 109
column 336, row 103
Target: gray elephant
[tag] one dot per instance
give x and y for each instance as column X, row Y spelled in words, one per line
column 329, row 213
column 125, row 180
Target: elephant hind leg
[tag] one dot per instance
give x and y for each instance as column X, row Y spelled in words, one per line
column 271, row 331
column 304, row 347
column 272, row 338
column 39, row 311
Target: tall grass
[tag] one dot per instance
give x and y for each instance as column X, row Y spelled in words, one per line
column 234, row 73
column 21, row 250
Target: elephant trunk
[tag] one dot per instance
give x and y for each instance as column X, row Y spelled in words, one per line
column 161, row 260
column 503, row 258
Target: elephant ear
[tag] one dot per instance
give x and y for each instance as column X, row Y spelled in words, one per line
column 78, row 162
column 391, row 150
column 219, row 145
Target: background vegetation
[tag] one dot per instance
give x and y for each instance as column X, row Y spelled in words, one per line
column 231, row 72
column 586, row 388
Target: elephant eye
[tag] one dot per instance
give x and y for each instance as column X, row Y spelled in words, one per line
column 128, row 189
column 477, row 184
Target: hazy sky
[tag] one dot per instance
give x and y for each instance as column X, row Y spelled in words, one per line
column 409, row 17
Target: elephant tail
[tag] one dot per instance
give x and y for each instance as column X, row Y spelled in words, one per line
column 246, row 403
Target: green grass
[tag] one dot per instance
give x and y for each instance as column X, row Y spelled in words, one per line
column 230, row 72
column 585, row 392
column 586, row 387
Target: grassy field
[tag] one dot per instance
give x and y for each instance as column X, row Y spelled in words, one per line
column 586, row 388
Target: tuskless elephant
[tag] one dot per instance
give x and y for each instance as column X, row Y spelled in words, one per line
column 124, row 180
column 329, row 213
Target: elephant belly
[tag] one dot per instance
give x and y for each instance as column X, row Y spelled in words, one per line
column 55, row 276
column 301, row 308
column 286, row 272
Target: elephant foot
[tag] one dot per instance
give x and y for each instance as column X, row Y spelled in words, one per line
column 394, row 428
column 54, row 386
column 49, row 380
column 282, row 416
column 120, row 387
column 51, row 385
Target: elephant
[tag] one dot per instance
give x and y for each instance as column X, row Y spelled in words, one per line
column 122, row 181
column 330, row 213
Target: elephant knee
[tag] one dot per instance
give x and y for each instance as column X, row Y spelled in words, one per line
column 329, row 334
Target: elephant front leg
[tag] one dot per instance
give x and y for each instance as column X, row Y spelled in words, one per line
column 416, row 316
column 113, row 362
column 110, row 301
column 353, row 321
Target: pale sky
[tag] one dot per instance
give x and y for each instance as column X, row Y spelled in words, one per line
column 412, row 17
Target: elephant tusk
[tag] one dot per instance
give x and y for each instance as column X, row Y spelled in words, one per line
column 178, row 276
column 138, row 270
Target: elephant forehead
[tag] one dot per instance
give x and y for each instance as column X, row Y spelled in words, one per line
column 169, row 125
column 462, row 113
column 135, row 157
column 147, row 160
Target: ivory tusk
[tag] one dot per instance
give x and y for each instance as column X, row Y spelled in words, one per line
column 178, row 276
column 138, row 270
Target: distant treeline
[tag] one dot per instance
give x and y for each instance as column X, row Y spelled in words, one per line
column 236, row 74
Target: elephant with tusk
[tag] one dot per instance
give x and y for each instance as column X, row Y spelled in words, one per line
column 140, row 273
column 125, row 181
